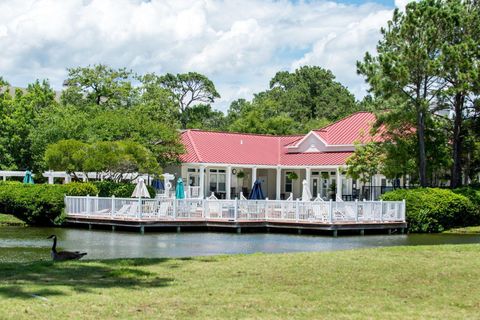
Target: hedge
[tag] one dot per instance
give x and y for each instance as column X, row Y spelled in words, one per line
column 434, row 210
column 121, row 190
column 39, row 204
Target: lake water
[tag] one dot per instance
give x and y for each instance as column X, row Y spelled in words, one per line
column 29, row 244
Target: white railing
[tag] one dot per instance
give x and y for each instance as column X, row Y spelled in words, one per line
column 235, row 210
column 193, row 192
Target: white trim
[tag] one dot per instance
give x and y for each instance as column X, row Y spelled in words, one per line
column 296, row 145
column 259, row 166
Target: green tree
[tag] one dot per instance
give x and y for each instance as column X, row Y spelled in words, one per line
column 99, row 85
column 189, row 89
column 115, row 158
column 67, row 155
column 365, row 162
column 202, row 116
column 460, row 63
column 311, row 92
column 18, row 118
column 297, row 102
column 407, row 66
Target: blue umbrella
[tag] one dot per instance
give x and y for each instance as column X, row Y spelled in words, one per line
column 180, row 190
column 158, row 184
column 256, row 193
column 28, row 179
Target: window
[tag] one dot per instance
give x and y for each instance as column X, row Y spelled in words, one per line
column 288, row 183
column 193, row 178
column 217, row 180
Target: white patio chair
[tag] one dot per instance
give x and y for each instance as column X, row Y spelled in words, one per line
column 214, row 208
column 163, row 210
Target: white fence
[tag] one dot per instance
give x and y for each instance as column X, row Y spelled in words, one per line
column 234, row 210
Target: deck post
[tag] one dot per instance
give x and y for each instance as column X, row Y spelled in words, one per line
column 297, row 210
column 356, row 210
column 204, row 207
column 113, row 205
column 179, row 229
column 362, row 232
column 235, row 209
column 88, row 205
column 140, row 208
column 174, row 213
column 335, row 233
column 239, row 230
column 381, row 210
column 142, row 229
column 113, row 228
column 330, row 211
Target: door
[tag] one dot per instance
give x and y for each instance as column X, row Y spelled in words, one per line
column 315, row 186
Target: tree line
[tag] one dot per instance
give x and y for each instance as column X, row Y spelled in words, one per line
column 107, row 105
column 428, row 61
column 424, row 86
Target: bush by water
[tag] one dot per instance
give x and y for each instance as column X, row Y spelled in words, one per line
column 434, row 210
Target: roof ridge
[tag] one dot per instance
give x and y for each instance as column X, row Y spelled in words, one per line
column 194, row 146
column 245, row 133
column 342, row 119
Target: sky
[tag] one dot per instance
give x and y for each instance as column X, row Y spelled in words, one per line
column 239, row 45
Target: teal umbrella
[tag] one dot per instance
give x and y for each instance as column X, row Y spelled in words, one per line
column 28, row 179
column 180, row 190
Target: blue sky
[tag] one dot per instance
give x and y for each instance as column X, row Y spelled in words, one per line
column 239, row 44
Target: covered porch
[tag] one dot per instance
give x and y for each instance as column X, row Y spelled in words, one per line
column 230, row 181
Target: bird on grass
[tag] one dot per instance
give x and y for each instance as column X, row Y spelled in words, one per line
column 64, row 255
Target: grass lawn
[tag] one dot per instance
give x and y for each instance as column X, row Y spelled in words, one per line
column 9, row 220
column 386, row 283
column 465, row 230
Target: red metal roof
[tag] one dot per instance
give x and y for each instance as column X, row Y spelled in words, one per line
column 355, row 127
column 254, row 149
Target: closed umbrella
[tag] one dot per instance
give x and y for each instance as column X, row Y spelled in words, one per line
column 28, row 179
column 256, row 193
column 180, row 190
column 306, row 194
column 141, row 190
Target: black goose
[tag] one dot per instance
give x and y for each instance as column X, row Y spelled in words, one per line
column 64, row 255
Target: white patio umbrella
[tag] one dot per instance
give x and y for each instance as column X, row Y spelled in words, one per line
column 141, row 190
column 306, row 194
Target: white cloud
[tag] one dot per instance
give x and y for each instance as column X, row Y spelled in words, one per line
column 238, row 44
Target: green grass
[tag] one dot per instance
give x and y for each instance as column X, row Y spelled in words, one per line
column 9, row 220
column 386, row 283
column 465, row 230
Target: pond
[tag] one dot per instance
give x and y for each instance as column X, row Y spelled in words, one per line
column 29, row 243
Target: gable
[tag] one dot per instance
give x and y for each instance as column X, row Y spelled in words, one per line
column 314, row 143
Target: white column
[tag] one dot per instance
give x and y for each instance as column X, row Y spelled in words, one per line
column 202, row 182
column 254, row 175
column 339, row 184
column 229, row 182
column 50, row 177
column 278, row 182
column 308, row 177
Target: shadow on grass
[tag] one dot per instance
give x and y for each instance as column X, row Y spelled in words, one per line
column 42, row 279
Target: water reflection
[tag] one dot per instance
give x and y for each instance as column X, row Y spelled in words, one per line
column 26, row 244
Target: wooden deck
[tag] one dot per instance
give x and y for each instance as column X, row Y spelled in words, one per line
column 257, row 215
column 143, row 225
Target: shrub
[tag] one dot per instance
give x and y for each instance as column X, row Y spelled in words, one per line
column 433, row 209
column 470, row 193
column 80, row 189
column 121, row 190
column 39, row 204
